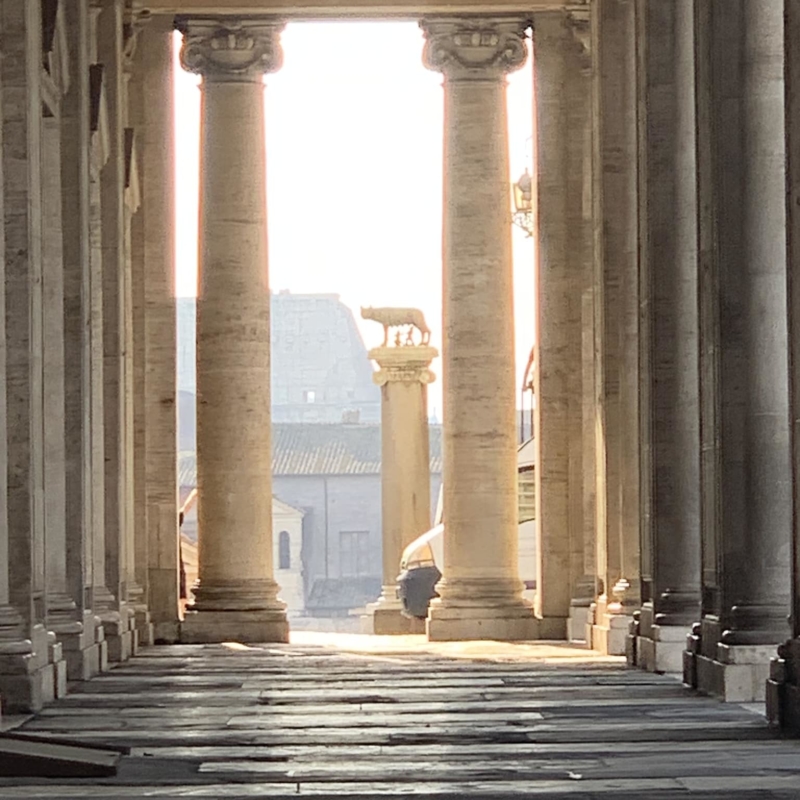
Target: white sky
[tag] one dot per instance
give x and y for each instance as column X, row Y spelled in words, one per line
column 354, row 174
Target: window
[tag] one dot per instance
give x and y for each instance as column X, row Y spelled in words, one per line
column 309, row 397
column 284, row 551
column 353, row 553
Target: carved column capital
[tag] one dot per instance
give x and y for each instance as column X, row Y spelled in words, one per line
column 231, row 50
column 403, row 364
column 475, row 48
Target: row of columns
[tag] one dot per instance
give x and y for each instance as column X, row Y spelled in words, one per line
column 480, row 596
column 86, row 271
column 674, row 335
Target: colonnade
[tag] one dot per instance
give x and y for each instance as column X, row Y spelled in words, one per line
column 666, row 374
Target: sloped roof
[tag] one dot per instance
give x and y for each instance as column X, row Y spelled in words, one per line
column 322, row 449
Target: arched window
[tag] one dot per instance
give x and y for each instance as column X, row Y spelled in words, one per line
column 284, row 551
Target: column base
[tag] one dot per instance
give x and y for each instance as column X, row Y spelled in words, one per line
column 247, row 627
column 662, row 650
column 514, row 622
column 390, row 622
column 141, row 616
column 84, row 647
column 554, row 628
column 738, row 674
column 119, row 632
column 28, row 677
column 783, row 688
column 577, row 622
column 610, row 635
column 591, row 618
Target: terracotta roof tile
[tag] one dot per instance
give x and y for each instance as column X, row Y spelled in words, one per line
column 322, row 449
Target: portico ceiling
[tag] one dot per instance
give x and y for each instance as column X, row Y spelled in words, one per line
column 329, row 9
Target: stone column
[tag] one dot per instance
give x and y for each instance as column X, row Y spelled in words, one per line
column 159, row 412
column 783, row 686
column 668, row 264
column 730, row 654
column 481, row 593
column 27, row 678
column 236, row 594
column 617, row 152
column 77, row 630
column 138, row 589
column 563, row 100
column 403, row 376
column 116, row 623
column 104, row 602
column 132, row 86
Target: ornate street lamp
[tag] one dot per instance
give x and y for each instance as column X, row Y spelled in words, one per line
column 523, row 203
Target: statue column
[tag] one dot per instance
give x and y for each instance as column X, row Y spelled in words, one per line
column 236, row 595
column 481, row 592
column 403, row 376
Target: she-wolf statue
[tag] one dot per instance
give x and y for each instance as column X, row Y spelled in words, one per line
column 397, row 318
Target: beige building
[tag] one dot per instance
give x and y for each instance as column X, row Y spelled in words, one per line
column 666, row 372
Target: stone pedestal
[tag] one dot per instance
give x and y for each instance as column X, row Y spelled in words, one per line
column 30, row 674
column 481, row 593
column 610, row 627
column 236, row 596
column 577, row 621
column 658, row 648
column 403, row 376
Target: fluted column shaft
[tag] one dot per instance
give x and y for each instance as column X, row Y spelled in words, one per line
column 236, row 594
column 481, row 591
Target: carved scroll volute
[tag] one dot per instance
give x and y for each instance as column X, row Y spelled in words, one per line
column 475, row 48
column 231, row 50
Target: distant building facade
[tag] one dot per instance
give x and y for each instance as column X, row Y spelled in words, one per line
column 320, row 368
column 330, row 475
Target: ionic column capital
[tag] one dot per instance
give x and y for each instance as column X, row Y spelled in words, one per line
column 231, row 50
column 403, row 364
column 475, row 48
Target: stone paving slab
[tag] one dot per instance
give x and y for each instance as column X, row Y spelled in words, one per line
column 364, row 717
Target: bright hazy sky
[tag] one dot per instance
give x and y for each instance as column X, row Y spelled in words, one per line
column 354, row 174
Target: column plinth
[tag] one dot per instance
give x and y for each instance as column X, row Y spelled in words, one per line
column 481, row 593
column 236, row 596
column 403, row 376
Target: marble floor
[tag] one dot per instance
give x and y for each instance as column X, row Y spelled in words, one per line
column 348, row 716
